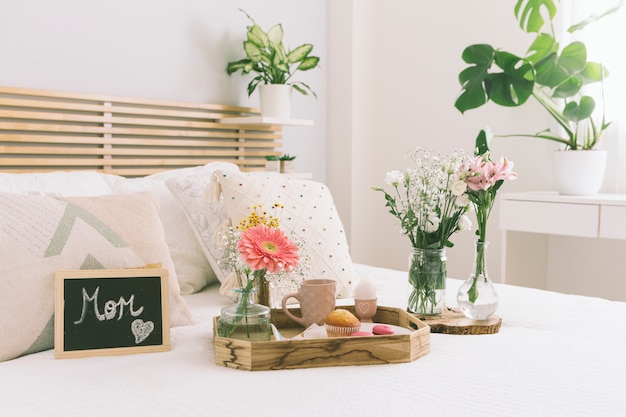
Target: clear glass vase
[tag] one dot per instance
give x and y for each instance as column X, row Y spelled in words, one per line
column 427, row 281
column 477, row 297
column 245, row 320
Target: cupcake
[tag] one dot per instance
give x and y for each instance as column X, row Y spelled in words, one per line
column 340, row 323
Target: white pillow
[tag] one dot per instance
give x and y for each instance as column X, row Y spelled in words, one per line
column 309, row 212
column 205, row 214
column 41, row 235
column 192, row 267
column 60, row 183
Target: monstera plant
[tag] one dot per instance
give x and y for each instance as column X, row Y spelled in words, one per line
column 267, row 56
column 553, row 74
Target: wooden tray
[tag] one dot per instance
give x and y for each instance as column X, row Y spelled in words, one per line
column 452, row 321
column 312, row 353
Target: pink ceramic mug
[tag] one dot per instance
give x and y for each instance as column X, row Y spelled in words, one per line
column 317, row 300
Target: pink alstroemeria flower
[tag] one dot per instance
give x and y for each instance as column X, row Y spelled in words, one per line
column 479, row 177
column 483, row 174
column 503, row 170
column 263, row 247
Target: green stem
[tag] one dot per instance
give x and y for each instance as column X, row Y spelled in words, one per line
column 427, row 279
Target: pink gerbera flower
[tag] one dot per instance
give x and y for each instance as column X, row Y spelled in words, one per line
column 264, row 247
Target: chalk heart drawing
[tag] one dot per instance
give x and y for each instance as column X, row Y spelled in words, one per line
column 141, row 330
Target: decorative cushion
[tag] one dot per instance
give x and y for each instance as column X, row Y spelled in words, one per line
column 205, row 214
column 41, row 235
column 75, row 183
column 309, row 212
column 192, row 267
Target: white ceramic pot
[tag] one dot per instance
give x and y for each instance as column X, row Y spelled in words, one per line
column 272, row 166
column 579, row 172
column 275, row 100
column 287, row 166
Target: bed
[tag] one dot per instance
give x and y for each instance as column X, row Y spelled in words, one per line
column 554, row 354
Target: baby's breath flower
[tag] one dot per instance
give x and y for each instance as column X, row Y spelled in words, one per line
column 427, row 198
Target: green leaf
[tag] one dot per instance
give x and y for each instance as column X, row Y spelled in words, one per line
column 253, row 84
column 549, row 73
column 281, row 66
column 308, row 63
column 594, row 18
column 482, row 145
column 303, row 88
column 472, row 79
column 569, row 88
column 512, row 87
column 473, row 94
column 573, row 58
column 542, row 47
column 275, row 34
column 280, row 54
column 258, row 37
column 530, row 15
column 479, row 54
column 235, row 66
column 593, row 72
column 252, row 51
column 555, row 70
column 576, row 112
column 300, row 53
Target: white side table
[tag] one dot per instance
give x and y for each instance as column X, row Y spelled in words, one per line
column 548, row 213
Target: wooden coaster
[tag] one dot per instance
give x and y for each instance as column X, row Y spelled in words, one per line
column 452, row 321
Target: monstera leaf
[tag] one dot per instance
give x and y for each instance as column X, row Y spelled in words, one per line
column 528, row 13
column 494, row 75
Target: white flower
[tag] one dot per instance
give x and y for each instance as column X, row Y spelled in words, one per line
column 430, row 198
column 432, row 223
column 394, row 178
column 458, row 188
column 462, row 201
column 464, row 223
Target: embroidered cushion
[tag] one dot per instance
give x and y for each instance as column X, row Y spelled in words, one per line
column 309, row 212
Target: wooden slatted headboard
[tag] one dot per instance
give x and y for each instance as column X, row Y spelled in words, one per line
column 44, row 130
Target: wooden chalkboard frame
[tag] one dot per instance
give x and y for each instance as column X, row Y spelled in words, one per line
column 67, row 281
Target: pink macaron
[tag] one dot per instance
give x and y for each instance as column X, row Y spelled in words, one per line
column 362, row 334
column 382, row 329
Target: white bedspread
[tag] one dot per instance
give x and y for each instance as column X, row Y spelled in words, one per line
column 555, row 355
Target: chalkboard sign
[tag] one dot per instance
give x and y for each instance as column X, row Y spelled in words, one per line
column 111, row 312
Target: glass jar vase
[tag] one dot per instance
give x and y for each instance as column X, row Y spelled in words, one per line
column 427, row 281
column 477, row 297
column 245, row 320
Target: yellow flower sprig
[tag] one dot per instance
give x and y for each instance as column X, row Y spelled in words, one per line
column 259, row 216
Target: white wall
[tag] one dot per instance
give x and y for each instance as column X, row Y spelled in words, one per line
column 409, row 54
column 164, row 49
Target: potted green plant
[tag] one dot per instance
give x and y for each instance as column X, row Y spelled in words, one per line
column 554, row 75
column 274, row 66
column 272, row 163
column 286, row 163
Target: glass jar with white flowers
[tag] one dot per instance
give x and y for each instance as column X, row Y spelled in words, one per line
column 431, row 204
